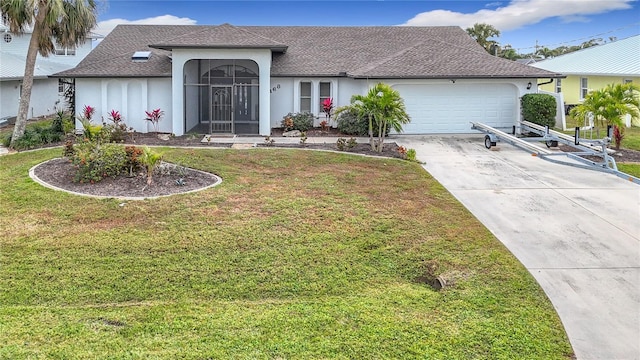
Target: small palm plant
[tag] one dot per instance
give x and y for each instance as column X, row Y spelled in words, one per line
column 150, row 159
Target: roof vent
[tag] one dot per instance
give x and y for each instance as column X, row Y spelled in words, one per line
column 141, row 56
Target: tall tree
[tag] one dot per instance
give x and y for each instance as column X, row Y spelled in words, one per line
column 62, row 22
column 481, row 34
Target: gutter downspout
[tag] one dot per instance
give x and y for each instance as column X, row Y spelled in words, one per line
column 545, row 83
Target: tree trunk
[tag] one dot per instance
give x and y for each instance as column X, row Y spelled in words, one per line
column 371, row 143
column 27, row 80
column 381, row 129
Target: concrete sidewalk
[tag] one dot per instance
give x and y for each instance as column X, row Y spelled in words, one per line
column 577, row 231
column 277, row 139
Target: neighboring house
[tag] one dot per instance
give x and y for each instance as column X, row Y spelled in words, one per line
column 245, row 79
column 47, row 92
column 593, row 68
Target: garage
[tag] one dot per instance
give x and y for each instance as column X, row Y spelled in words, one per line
column 449, row 108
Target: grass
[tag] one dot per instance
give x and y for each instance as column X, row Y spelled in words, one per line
column 297, row 254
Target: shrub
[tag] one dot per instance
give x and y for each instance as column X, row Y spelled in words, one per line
column 116, row 131
column 539, row 109
column 349, row 124
column 133, row 162
column 58, row 122
column 411, row 155
column 36, row 135
column 94, row 161
column 297, row 121
column 343, row 144
column 6, row 140
column 402, row 151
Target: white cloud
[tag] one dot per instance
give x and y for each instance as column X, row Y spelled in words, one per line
column 493, row 4
column 519, row 13
column 105, row 27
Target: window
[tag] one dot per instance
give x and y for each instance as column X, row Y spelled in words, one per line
column 627, row 81
column 325, row 92
column 558, row 85
column 584, row 87
column 305, row 96
column 64, row 51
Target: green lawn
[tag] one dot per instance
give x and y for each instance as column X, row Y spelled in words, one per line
column 296, row 255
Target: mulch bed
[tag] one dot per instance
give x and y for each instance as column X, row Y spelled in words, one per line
column 59, row 173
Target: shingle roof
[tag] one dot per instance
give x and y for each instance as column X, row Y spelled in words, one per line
column 620, row 57
column 223, row 36
column 374, row 52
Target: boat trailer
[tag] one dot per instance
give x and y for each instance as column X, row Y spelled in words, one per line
column 583, row 147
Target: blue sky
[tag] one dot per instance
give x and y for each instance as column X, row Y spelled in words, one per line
column 551, row 22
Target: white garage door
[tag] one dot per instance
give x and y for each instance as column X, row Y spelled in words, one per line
column 449, row 108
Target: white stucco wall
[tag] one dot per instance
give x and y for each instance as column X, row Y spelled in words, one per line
column 131, row 97
column 44, row 98
column 281, row 99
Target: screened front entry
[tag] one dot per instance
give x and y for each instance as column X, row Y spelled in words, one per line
column 221, row 97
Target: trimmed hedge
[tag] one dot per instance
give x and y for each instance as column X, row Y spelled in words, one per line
column 539, row 109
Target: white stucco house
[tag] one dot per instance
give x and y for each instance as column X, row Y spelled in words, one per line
column 47, row 93
column 244, row 79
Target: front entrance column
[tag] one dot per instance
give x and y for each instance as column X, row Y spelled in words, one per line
column 264, row 66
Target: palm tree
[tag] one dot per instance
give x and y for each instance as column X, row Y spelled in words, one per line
column 67, row 22
column 481, row 34
column 545, row 52
column 609, row 105
column 383, row 107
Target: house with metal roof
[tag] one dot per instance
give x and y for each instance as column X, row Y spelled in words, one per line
column 593, row 68
column 47, row 93
column 245, row 79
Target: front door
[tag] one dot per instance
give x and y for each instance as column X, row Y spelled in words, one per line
column 221, row 109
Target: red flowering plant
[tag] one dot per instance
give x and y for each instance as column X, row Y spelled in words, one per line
column 327, row 107
column 154, row 117
column 115, row 116
column 88, row 112
column 618, row 136
column 89, row 130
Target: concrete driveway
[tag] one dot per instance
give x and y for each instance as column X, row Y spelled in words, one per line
column 577, row 231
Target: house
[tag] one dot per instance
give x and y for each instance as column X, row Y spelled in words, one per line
column 593, row 68
column 47, row 93
column 245, row 79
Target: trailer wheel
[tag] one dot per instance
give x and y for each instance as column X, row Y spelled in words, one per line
column 488, row 143
column 551, row 143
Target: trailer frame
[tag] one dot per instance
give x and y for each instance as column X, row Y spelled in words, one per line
column 592, row 148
